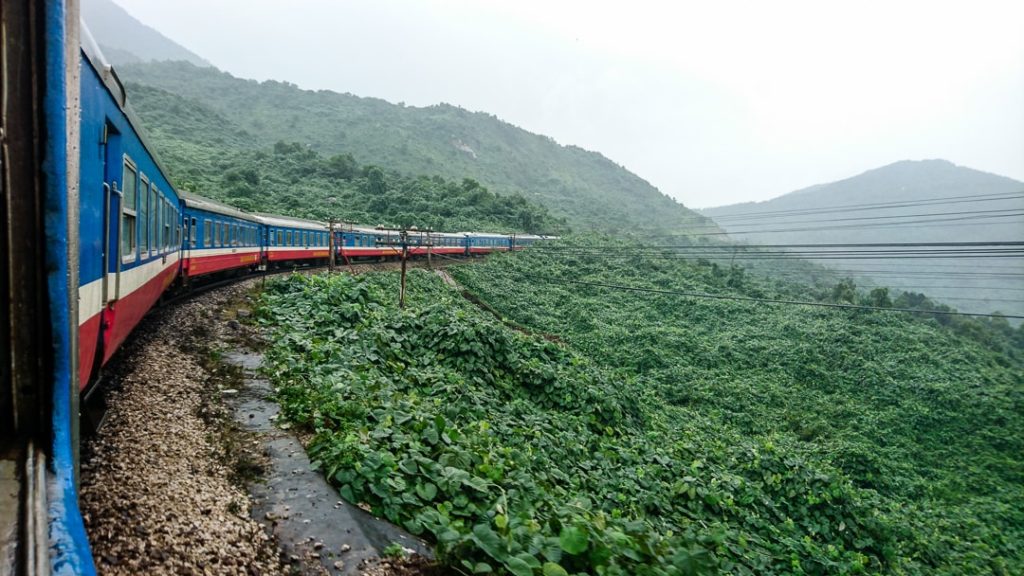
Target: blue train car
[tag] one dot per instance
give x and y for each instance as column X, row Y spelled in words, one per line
column 130, row 233
column 42, row 529
column 483, row 242
column 290, row 241
column 218, row 238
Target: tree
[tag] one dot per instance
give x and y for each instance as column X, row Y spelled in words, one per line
column 375, row 183
column 845, row 291
column 879, row 297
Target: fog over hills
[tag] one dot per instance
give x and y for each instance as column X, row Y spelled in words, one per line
column 588, row 189
column 908, row 201
column 124, row 39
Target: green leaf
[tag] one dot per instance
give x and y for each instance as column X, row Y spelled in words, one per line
column 573, row 540
column 489, row 541
column 482, row 568
column 426, row 491
column 430, row 435
column 552, row 569
column 518, row 567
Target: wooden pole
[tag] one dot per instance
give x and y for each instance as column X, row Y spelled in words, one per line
column 330, row 246
column 405, row 253
column 430, row 246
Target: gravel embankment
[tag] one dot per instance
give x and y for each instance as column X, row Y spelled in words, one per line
column 158, row 494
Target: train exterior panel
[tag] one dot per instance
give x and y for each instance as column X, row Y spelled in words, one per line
column 293, row 240
column 483, row 243
column 218, row 238
column 129, row 215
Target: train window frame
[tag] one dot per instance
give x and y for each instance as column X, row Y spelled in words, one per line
column 154, row 212
column 167, row 223
column 192, row 232
column 207, row 236
column 143, row 220
column 128, row 228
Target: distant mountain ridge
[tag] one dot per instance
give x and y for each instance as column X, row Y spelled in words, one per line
column 907, row 201
column 917, row 179
column 124, row 39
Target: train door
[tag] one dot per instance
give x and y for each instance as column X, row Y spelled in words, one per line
column 112, row 177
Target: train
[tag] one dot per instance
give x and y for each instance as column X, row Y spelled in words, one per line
column 95, row 235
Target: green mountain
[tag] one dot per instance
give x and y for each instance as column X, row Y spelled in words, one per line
column 588, row 189
column 208, row 154
column 124, row 39
column 909, row 201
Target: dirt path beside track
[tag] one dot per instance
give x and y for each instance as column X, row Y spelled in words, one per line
column 164, row 481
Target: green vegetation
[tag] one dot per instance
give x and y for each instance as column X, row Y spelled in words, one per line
column 665, row 435
column 207, row 155
column 587, row 189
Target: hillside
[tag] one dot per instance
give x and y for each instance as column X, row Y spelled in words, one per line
column 584, row 187
column 124, row 39
column 587, row 189
column 909, row 201
column 208, row 154
column 587, row 430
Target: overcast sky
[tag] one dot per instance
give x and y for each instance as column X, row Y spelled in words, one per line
column 713, row 102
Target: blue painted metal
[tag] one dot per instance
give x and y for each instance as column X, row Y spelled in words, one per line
column 69, row 545
column 101, row 111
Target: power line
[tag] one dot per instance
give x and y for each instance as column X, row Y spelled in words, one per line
column 875, row 205
column 887, row 225
column 978, row 244
column 893, row 216
column 768, row 300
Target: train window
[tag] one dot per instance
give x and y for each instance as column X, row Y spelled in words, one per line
column 192, row 234
column 305, row 239
column 234, row 234
column 167, row 224
column 129, row 201
column 154, row 210
column 280, row 235
column 207, row 236
column 144, row 216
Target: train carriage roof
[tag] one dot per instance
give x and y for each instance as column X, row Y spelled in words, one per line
column 289, row 222
column 94, row 56
column 198, row 202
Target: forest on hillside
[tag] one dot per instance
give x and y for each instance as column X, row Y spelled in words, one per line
column 587, row 189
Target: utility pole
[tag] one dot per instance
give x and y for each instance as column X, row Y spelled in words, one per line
column 330, row 246
column 430, row 246
column 405, row 253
